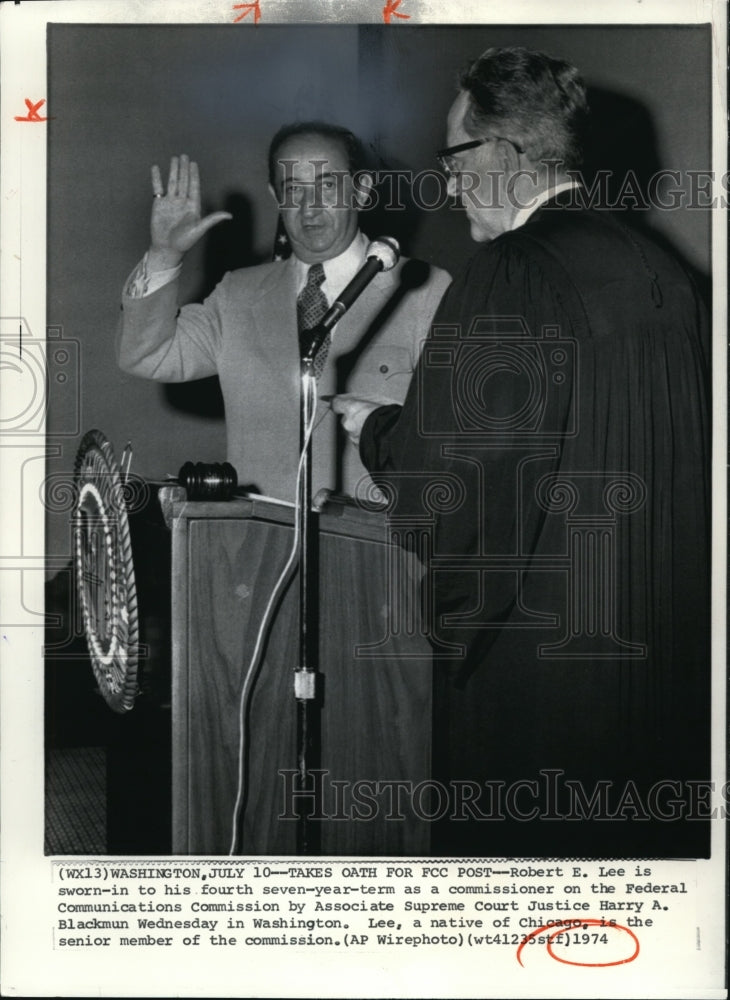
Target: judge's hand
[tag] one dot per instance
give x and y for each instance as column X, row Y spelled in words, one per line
column 354, row 412
column 176, row 224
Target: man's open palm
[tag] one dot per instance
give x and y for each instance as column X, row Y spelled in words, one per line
column 176, row 224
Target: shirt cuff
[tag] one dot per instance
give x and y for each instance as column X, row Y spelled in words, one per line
column 140, row 283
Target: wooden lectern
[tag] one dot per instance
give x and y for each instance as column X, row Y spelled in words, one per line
column 376, row 670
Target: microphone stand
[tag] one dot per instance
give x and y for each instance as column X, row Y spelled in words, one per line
column 381, row 255
column 305, row 674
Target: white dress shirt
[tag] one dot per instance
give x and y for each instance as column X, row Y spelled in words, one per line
column 524, row 213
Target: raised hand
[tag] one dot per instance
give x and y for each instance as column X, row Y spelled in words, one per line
column 176, row 224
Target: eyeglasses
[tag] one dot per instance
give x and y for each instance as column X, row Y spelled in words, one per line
column 446, row 156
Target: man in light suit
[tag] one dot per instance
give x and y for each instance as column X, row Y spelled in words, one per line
column 246, row 331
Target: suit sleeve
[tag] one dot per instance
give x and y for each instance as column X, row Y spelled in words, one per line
column 156, row 340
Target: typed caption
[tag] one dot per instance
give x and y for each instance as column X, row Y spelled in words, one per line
column 582, row 913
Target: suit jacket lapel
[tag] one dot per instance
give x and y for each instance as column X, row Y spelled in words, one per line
column 349, row 330
column 275, row 316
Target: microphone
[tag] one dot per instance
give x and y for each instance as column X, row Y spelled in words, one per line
column 381, row 255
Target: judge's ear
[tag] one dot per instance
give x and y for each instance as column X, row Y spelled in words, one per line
column 509, row 165
column 363, row 185
column 508, row 157
column 274, row 195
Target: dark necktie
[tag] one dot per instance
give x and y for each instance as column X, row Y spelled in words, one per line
column 311, row 307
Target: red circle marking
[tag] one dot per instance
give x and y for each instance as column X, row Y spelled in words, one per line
column 580, row 923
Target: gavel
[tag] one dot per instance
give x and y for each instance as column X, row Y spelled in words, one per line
column 208, row 481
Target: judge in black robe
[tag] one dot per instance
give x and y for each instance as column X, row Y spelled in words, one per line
column 553, row 456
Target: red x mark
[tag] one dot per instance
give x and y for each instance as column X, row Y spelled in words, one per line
column 391, row 10
column 32, row 115
column 247, row 8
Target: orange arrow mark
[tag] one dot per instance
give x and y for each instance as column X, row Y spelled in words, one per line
column 247, row 8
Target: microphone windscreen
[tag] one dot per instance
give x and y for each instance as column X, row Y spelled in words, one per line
column 386, row 250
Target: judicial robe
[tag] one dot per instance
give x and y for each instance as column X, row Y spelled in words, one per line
column 551, row 460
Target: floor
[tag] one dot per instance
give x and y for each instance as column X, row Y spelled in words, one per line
column 76, row 801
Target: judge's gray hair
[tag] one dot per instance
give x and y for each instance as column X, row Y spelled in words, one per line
column 536, row 101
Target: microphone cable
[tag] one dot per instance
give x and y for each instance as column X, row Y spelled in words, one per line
column 310, row 386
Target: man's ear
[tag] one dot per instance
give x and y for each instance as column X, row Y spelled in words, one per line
column 363, row 183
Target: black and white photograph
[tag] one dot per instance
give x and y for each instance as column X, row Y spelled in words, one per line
column 541, row 649
column 377, row 474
